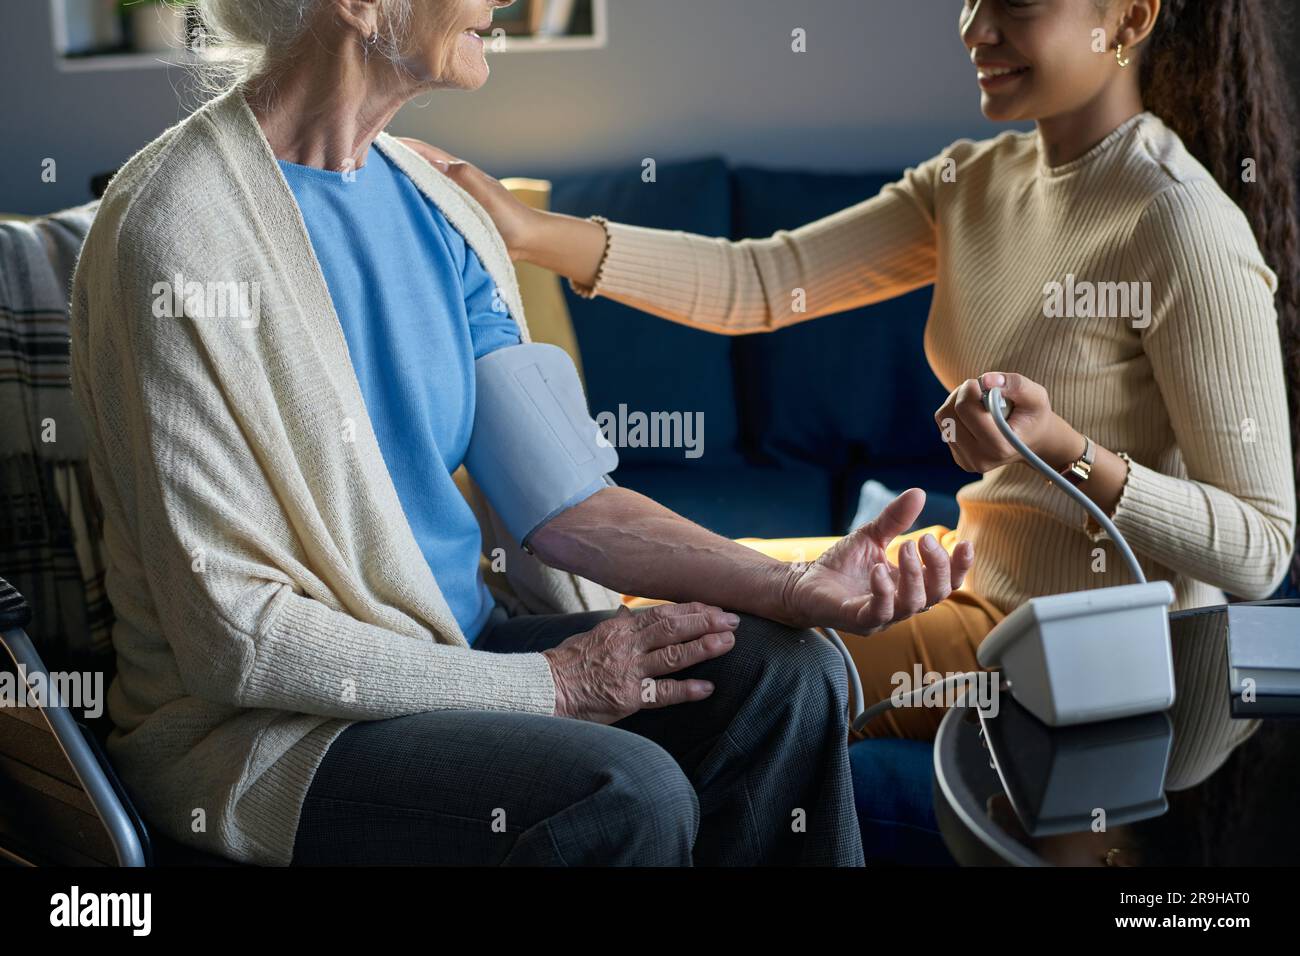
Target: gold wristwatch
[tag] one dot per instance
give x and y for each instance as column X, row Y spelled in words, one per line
column 1079, row 470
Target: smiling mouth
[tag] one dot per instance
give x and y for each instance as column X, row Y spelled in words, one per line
column 997, row 76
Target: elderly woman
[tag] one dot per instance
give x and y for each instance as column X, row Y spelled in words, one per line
column 276, row 323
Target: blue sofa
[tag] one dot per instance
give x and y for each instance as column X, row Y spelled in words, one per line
column 794, row 421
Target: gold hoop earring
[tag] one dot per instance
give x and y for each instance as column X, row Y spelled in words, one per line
column 1120, row 58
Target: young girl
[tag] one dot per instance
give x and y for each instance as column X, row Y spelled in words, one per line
column 1127, row 273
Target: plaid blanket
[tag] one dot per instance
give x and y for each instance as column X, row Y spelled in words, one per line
column 50, row 525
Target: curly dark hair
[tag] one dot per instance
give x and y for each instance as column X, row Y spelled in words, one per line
column 1210, row 70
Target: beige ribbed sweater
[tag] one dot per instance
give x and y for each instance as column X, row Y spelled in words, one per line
column 267, row 588
column 1196, row 398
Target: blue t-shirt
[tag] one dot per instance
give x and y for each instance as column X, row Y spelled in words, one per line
column 417, row 309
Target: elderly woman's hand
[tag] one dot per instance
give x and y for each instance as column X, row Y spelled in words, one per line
column 612, row 671
column 854, row 587
column 513, row 218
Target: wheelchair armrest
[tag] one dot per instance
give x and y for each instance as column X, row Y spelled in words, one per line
column 105, row 794
column 14, row 610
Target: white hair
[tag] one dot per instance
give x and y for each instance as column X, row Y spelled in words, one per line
column 251, row 35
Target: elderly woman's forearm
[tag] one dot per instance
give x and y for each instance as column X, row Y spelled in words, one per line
column 633, row 545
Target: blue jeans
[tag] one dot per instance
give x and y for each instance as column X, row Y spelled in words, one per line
column 893, row 796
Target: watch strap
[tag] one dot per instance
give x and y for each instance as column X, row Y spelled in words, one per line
column 1080, row 470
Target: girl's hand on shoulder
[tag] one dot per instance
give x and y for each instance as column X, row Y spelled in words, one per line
column 974, row 440
column 514, row 219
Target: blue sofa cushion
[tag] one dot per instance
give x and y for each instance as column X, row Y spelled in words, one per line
column 744, row 501
column 644, row 362
column 941, row 483
column 851, row 389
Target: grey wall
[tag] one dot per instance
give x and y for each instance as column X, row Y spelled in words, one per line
column 884, row 83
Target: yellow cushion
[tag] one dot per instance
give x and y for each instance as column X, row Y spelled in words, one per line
column 548, row 315
column 810, row 549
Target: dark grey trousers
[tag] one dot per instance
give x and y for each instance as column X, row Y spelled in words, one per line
column 756, row 774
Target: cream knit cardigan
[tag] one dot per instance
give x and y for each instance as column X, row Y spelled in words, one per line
column 267, row 587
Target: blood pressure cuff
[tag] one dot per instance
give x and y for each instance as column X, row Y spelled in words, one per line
column 535, row 450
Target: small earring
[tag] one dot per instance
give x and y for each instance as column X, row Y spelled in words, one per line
column 374, row 38
column 1120, row 58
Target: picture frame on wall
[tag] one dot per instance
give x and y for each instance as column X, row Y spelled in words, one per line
column 521, row 18
column 93, row 35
